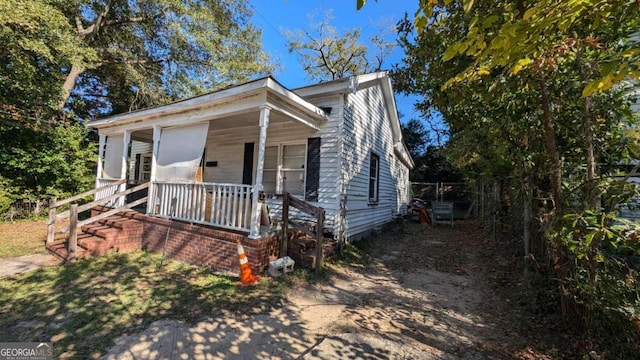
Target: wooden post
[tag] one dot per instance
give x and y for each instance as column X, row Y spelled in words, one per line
column 257, row 188
column 319, row 240
column 73, row 233
column 157, row 131
column 52, row 220
column 101, row 142
column 126, row 140
column 285, row 224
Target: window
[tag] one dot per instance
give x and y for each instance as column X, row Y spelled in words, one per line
column 284, row 169
column 144, row 174
column 374, row 174
column 293, row 160
column 270, row 172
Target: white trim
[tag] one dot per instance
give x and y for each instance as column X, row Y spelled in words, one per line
column 151, row 198
column 126, row 140
column 101, row 143
column 344, row 85
column 256, row 211
column 376, row 189
column 236, row 100
column 355, row 83
column 279, row 165
column 138, row 177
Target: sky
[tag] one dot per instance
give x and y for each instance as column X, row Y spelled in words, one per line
column 277, row 16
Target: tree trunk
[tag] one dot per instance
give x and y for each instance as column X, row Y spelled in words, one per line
column 527, row 214
column 592, row 197
column 552, row 150
column 69, row 84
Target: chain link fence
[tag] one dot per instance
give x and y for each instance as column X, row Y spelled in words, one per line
column 461, row 194
column 22, row 210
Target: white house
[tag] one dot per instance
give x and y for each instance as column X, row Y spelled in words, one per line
column 210, row 159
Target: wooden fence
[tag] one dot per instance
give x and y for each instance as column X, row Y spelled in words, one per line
column 317, row 212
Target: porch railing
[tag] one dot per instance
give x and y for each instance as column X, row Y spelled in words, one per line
column 106, row 190
column 72, row 213
column 223, row 205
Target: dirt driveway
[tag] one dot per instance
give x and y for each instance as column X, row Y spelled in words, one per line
column 418, row 294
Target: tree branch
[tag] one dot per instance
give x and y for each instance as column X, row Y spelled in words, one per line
column 93, row 30
column 124, row 21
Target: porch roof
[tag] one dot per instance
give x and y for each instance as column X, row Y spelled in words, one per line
column 223, row 107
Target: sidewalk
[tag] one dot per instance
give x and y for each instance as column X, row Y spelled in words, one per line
column 17, row 265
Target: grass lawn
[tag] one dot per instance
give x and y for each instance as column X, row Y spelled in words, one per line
column 84, row 307
column 22, row 238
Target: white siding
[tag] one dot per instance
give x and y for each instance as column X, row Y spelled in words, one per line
column 137, row 147
column 227, row 148
column 330, row 149
column 367, row 129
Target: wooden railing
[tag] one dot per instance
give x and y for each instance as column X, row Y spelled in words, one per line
column 75, row 209
column 223, row 205
column 317, row 212
column 105, row 189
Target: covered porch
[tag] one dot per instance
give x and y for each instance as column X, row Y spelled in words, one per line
column 208, row 159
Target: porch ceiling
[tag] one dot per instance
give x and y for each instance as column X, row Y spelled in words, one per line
column 228, row 122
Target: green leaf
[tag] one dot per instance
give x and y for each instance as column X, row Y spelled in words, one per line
column 529, row 13
column 468, row 5
column 591, row 88
column 490, row 21
column 360, row 4
column 420, row 22
column 450, row 52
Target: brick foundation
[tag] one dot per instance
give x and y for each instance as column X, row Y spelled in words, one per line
column 204, row 245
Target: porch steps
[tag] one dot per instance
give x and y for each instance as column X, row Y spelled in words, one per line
column 113, row 234
column 60, row 249
column 302, row 249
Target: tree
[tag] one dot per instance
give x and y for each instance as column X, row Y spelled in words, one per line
column 513, row 84
column 38, row 42
column 62, row 62
column 117, row 55
column 39, row 161
column 152, row 51
column 326, row 54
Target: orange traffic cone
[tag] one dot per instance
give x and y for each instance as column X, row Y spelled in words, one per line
column 246, row 276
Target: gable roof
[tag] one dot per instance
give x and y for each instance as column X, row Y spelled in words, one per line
column 355, row 83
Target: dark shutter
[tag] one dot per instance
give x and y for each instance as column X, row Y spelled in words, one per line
column 136, row 175
column 313, row 169
column 247, row 169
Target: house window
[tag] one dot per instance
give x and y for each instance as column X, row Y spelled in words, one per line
column 284, row 169
column 374, row 177
column 145, row 168
column 270, row 172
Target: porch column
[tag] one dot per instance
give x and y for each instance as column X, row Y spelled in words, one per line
column 123, row 172
column 256, row 211
column 102, row 140
column 152, row 177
